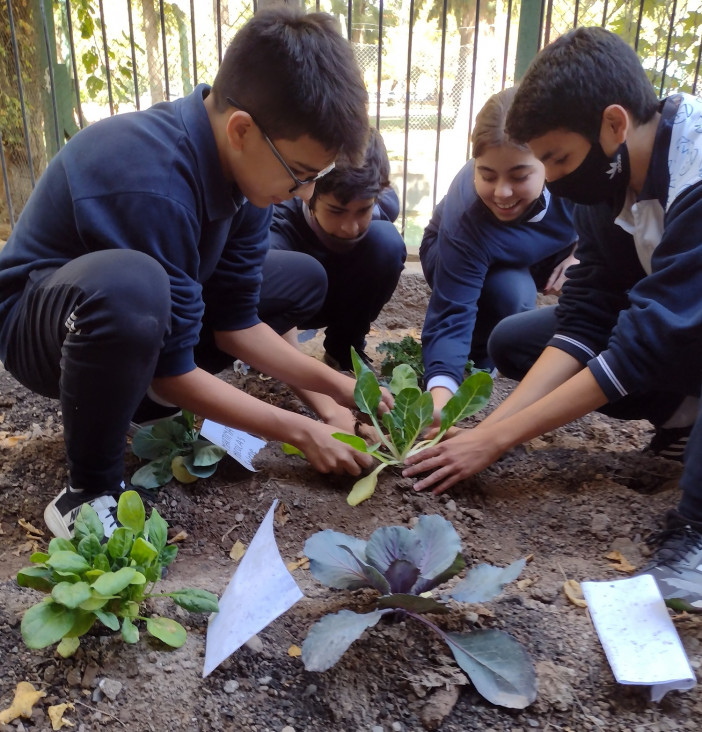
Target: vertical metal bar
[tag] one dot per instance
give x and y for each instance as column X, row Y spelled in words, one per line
column 132, row 46
column 5, row 179
column 549, row 14
column 528, row 36
column 349, row 10
column 667, row 46
column 107, row 59
column 20, row 92
column 472, row 77
column 407, row 103
column 380, row 63
column 506, row 56
column 577, row 9
column 697, row 70
column 439, row 107
column 194, row 39
column 604, row 14
column 166, row 84
column 50, row 68
column 74, row 64
column 638, row 26
column 219, row 30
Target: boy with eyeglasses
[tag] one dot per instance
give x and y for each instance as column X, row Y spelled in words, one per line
column 133, row 274
column 336, row 258
column 626, row 336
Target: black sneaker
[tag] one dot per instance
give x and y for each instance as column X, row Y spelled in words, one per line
column 677, row 564
column 339, row 363
column 60, row 515
column 149, row 412
column 669, row 443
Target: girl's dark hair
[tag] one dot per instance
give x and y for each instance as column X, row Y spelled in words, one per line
column 489, row 130
column 367, row 181
column 296, row 75
column 573, row 80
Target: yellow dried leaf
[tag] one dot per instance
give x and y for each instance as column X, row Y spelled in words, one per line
column 180, row 536
column 302, row 563
column 523, row 584
column 56, row 716
column 623, row 564
column 237, row 551
column 282, row 514
column 26, row 696
column 574, row 593
column 28, row 546
column 295, row 651
column 28, row 527
column 12, row 441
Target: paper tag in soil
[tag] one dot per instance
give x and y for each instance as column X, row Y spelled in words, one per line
column 242, row 446
column 261, row 590
column 637, row 634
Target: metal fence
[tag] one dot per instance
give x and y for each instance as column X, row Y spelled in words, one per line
column 429, row 65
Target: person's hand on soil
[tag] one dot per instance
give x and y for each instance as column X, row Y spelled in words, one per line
column 329, row 455
column 452, row 460
column 559, row 276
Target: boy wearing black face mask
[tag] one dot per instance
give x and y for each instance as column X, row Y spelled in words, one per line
column 626, row 337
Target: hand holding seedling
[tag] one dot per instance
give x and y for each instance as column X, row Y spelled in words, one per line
column 329, row 455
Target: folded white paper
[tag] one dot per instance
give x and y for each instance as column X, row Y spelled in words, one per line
column 637, row 634
column 260, row 590
column 242, row 446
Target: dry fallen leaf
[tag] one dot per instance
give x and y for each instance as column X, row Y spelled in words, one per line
column 27, row 546
column 523, row 584
column 26, row 696
column 282, row 514
column 12, row 440
column 28, row 527
column 574, row 593
column 294, row 651
column 623, row 564
column 302, row 563
column 56, row 716
column 237, row 551
column 180, row 536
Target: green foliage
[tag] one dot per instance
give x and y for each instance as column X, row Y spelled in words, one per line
column 174, row 448
column 407, row 351
column 89, row 579
column 404, row 565
column 412, row 413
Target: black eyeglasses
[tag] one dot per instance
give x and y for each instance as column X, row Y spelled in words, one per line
column 298, row 183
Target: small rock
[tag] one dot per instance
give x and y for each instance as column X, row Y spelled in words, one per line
column 311, row 690
column 110, row 688
column 473, row 513
column 439, row 706
column 600, row 524
column 288, row 729
column 555, row 687
column 377, row 728
column 451, row 506
column 397, row 727
column 73, row 677
column 230, row 686
column 239, row 517
column 254, row 644
column 89, row 676
column 265, row 680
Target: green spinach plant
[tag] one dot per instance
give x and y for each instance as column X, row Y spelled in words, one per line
column 413, row 412
column 174, row 448
column 404, row 565
column 89, row 580
column 407, row 351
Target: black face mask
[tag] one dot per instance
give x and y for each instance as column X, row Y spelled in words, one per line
column 597, row 179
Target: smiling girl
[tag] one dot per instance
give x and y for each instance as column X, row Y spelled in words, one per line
column 496, row 239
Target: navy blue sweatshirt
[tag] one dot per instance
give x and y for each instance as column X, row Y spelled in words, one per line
column 470, row 241
column 150, row 181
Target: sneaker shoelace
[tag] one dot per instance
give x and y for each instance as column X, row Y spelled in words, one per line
column 674, row 544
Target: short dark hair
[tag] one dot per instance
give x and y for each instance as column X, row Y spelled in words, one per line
column 489, row 130
column 297, row 76
column 571, row 82
column 348, row 183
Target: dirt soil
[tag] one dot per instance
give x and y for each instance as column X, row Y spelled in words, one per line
column 566, row 500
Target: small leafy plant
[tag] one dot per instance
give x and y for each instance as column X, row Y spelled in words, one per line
column 404, row 565
column 174, row 449
column 413, row 412
column 90, row 580
column 407, row 351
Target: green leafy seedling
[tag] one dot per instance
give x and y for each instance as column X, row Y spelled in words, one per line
column 412, row 413
column 404, row 565
column 174, row 448
column 89, row 580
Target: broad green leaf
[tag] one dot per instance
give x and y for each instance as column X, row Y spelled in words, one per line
column 63, row 561
column 472, row 395
column 178, row 431
column 412, row 602
column 139, row 578
column 403, row 377
column 485, row 581
column 68, row 646
column 58, row 544
column 329, row 638
column 156, row 530
column 355, row 441
column 289, row 449
column 130, row 511
column 143, row 552
column 148, row 447
column 71, row 594
column 39, row 557
column 196, row 601
column 154, row 474
column 120, row 543
column 498, row 666
column 82, row 623
column 38, row 578
column 89, row 547
column 364, row 488
column 109, row 620
column 129, row 609
column 412, row 412
column 46, row 623
column 366, row 393
column 112, row 583
column 198, row 471
column 440, row 545
column 95, row 602
column 206, row 454
column 101, row 563
column 87, row 523
column 168, row 554
column 185, row 418
column 130, row 633
column 331, row 564
column 167, row 630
